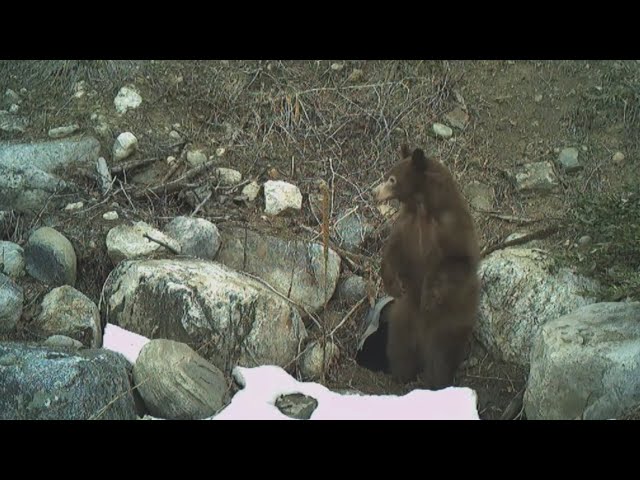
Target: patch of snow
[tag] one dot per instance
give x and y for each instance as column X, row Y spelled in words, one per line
column 123, row 341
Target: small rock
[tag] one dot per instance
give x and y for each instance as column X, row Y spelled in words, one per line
column 352, row 289
column 538, row 98
column 584, row 240
column 196, row 158
column 336, row 67
column 74, row 206
column 618, row 157
column 176, row 383
column 355, row 76
column 104, row 176
column 127, row 98
column 352, row 231
column 110, row 216
column 480, row 196
column 11, row 259
column 281, row 196
column 66, row 311
column 12, row 123
column 197, row 237
column 62, row 341
column 50, row 258
column 227, row 177
column 457, row 118
column 11, row 303
column 220, row 151
column 537, row 176
column 11, row 98
column 124, row 146
column 131, row 242
column 311, row 365
column 251, row 191
column 568, row 160
column 60, row 132
column 297, row 405
column 175, row 135
column 15, row 108
column 442, row 130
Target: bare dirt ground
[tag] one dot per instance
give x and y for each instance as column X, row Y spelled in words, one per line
column 343, row 122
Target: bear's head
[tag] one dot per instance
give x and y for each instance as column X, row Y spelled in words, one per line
column 405, row 179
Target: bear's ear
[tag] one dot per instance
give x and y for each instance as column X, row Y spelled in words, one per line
column 418, row 160
column 405, row 151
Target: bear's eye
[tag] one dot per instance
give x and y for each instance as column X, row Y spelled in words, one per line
column 392, row 180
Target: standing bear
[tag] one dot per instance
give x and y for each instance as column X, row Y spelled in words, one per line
column 429, row 266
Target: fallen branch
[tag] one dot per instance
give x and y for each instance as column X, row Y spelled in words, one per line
column 161, row 243
column 346, row 317
column 537, row 235
column 513, row 219
column 177, row 184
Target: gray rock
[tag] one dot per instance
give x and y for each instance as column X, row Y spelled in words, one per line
column 11, row 97
column 44, row 383
column 110, row 216
column 131, row 242
column 28, row 189
column 281, row 196
column 62, row 341
column 196, row 158
column 52, row 156
column 50, row 258
column 12, row 123
column 311, row 361
column 442, row 130
column 568, row 160
column 251, row 191
column 124, row 146
column 479, row 195
column 618, row 158
column 457, row 118
column 226, row 177
column 11, row 303
column 176, row 383
column 295, row 268
column 65, row 131
column 586, row 364
column 352, row 289
column 522, row 289
column 11, row 259
column 352, row 230
column 234, row 318
column 535, row 177
column 197, row 237
column 66, row 311
column 297, row 405
column 103, row 176
column 128, row 98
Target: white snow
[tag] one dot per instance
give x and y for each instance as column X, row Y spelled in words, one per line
column 263, row 385
column 123, row 341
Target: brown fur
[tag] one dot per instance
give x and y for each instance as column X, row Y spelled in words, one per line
column 430, row 266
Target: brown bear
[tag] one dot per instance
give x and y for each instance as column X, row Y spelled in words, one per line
column 430, row 266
